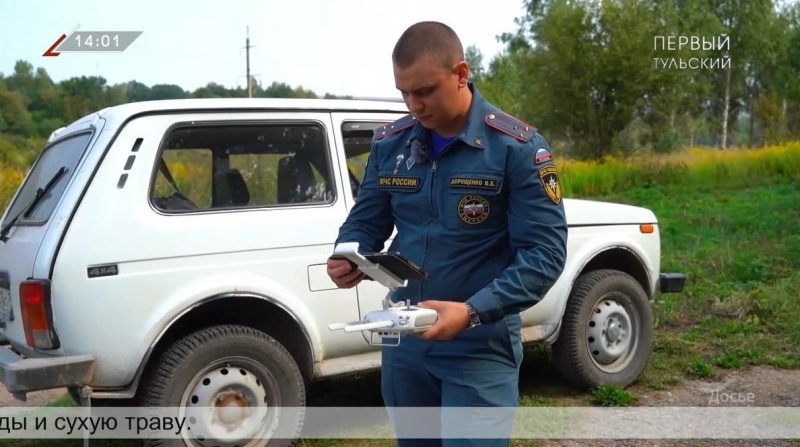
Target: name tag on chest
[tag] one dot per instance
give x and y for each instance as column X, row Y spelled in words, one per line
column 398, row 182
column 472, row 182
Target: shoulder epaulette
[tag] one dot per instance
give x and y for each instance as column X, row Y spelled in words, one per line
column 510, row 126
column 394, row 127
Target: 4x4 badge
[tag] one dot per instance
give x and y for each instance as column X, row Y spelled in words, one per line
column 100, row 271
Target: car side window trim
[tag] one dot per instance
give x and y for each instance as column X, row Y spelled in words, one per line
column 314, row 156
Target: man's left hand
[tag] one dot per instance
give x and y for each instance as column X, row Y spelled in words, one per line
column 453, row 318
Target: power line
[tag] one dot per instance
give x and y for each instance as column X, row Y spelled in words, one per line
column 249, row 77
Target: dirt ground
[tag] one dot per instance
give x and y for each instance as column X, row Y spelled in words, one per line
column 761, row 386
column 34, row 399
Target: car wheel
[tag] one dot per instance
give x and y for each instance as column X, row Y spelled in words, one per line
column 229, row 383
column 606, row 333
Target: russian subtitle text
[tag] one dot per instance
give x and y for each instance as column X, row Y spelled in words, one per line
column 68, row 426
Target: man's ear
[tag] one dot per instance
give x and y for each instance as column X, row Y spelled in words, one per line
column 462, row 71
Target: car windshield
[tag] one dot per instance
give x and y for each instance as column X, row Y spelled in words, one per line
column 66, row 154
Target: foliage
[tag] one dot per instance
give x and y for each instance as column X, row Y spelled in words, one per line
column 600, row 78
column 32, row 105
column 698, row 167
column 624, row 128
column 597, row 78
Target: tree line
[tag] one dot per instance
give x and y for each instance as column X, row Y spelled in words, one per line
column 615, row 77
column 625, row 76
column 32, row 105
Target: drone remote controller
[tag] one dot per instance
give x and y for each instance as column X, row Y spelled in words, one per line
column 392, row 271
column 391, row 323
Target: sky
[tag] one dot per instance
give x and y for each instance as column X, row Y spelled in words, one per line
column 328, row 46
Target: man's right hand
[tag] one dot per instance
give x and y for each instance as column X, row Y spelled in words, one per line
column 343, row 273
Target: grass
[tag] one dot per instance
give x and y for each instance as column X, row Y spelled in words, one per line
column 741, row 251
column 730, row 221
column 701, row 168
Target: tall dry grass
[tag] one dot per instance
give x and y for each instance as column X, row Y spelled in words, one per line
column 10, row 179
column 698, row 168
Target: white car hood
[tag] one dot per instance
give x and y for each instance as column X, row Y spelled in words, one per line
column 589, row 212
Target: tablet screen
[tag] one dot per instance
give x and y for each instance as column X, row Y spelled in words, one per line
column 398, row 265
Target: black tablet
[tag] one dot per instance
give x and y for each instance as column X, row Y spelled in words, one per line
column 397, row 264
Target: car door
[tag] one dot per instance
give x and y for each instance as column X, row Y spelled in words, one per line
column 353, row 133
column 266, row 209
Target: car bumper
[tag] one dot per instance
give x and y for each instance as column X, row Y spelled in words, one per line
column 23, row 375
column 671, row 282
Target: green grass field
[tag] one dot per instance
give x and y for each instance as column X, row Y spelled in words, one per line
column 738, row 240
column 741, row 251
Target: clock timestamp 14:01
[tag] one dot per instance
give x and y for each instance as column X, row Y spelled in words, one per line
column 84, row 40
column 100, row 41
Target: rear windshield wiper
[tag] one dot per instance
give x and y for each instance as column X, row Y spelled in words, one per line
column 29, row 208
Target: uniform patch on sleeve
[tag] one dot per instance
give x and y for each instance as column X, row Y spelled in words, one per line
column 394, row 127
column 510, row 126
column 542, row 155
column 548, row 175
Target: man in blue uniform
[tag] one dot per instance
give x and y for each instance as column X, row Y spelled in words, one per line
column 476, row 200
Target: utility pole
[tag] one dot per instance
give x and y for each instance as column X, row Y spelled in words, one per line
column 249, row 78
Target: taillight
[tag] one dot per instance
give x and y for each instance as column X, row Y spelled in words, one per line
column 34, row 297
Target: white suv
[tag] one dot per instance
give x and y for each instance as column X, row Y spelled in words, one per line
column 174, row 252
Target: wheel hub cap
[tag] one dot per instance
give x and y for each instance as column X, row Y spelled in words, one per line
column 609, row 333
column 227, row 407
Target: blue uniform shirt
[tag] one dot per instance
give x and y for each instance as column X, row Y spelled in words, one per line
column 438, row 143
column 485, row 219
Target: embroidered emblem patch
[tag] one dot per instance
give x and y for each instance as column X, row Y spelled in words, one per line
column 552, row 187
column 473, row 209
column 542, row 155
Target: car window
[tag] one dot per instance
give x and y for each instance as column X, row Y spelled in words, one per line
column 357, row 137
column 243, row 166
column 65, row 154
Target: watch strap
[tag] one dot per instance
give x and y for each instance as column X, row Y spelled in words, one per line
column 474, row 318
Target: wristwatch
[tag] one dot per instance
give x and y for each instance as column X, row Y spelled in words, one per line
column 474, row 319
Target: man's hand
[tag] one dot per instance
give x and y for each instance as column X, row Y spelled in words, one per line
column 453, row 318
column 343, row 274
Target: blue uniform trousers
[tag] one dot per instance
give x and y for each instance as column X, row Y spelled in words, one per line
column 452, row 391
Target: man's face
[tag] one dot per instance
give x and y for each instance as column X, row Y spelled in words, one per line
column 430, row 91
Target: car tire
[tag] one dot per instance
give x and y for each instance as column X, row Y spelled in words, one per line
column 606, row 334
column 228, row 365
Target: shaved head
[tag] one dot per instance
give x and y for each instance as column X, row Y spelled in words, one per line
column 432, row 75
column 433, row 40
